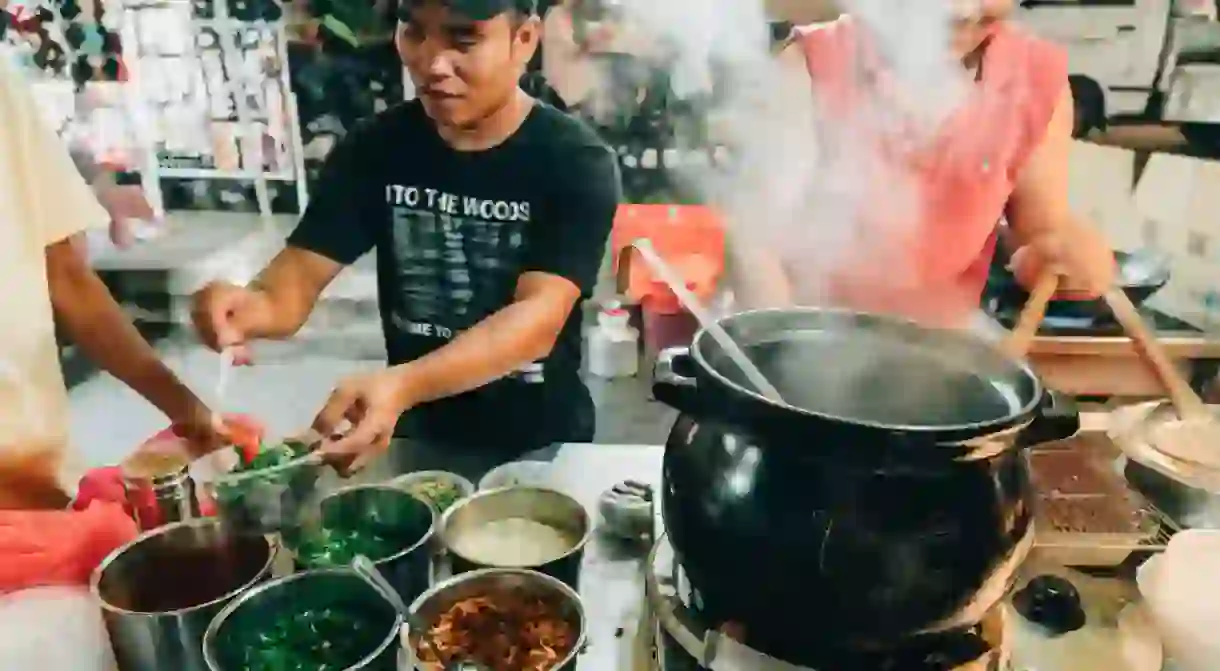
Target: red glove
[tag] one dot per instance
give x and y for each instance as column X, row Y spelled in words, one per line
column 48, row 547
column 104, row 485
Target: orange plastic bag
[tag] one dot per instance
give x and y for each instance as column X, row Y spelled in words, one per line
column 59, row 547
column 690, row 238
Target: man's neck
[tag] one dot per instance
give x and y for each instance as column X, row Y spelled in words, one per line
column 492, row 129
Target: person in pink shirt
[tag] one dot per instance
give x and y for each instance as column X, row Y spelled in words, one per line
column 1001, row 155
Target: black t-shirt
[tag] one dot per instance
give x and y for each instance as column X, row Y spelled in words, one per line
column 453, row 231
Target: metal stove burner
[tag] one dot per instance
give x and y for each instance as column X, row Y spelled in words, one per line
column 1083, row 326
column 685, row 643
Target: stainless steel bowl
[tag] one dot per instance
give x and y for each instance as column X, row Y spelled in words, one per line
column 159, row 592
column 415, row 483
column 546, row 506
column 320, row 589
column 406, row 519
column 429, row 607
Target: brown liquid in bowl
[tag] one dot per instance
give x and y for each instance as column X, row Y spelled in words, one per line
column 166, row 576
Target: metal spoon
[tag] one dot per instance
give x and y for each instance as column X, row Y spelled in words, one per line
column 364, row 567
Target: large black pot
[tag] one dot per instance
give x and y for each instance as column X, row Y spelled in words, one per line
column 886, row 500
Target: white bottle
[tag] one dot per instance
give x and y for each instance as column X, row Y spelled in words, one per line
column 613, row 345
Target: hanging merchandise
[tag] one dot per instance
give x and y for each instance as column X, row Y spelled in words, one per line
column 222, row 105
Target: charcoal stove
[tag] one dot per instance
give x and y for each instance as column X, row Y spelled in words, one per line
column 1091, row 357
column 682, row 639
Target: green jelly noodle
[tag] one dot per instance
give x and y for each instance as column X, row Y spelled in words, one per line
column 327, row 639
column 339, row 546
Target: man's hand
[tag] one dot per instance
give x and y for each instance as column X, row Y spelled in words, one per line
column 203, row 430
column 225, row 316
column 1083, row 278
column 202, row 433
column 371, row 404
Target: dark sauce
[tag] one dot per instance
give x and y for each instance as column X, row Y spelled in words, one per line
column 167, row 576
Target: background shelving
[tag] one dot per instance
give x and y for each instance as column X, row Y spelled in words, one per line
column 215, row 82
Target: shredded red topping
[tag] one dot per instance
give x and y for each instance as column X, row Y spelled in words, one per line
column 513, row 631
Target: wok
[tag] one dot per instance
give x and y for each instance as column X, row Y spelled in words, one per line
column 1140, row 275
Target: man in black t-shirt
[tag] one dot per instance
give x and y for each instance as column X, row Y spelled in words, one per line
column 488, row 212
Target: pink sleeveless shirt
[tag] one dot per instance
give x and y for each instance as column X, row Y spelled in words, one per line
column 959, row 182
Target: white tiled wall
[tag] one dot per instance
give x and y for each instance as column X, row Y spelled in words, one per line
column 1174, row 208
column 1100, row 180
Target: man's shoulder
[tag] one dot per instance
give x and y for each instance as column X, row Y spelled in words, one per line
column 404, row 119
column 549, row 127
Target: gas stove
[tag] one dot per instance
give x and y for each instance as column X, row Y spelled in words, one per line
column 683, row 641
column 1101, row 326
column 1092, row 357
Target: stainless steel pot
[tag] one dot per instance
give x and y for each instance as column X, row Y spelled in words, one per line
column 539, row 504
column 314, row 590
column 159, row 592
column 429, row 607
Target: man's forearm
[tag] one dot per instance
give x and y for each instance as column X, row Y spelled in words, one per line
column 272, row 315
column 515, row 336
column 283, row 295
column 97, row 324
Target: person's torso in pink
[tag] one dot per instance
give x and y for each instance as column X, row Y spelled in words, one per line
column 959, row 183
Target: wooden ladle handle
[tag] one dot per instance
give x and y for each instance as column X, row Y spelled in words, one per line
column 1185, row 400
column 1022, row 337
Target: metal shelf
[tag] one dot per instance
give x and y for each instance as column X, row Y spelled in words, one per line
column 214, row 173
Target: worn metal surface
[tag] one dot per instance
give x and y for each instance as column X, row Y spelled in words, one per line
column 612, row 578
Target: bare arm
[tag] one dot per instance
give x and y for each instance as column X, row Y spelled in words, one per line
column 1038, row 210
column 285, row 292
column 334, row 232
column 97, row 324
column 516, row 335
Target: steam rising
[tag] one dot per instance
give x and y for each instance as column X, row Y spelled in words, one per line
column 804, row 187
column 821, row 192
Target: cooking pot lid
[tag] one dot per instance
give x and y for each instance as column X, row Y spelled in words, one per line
column 875, row 370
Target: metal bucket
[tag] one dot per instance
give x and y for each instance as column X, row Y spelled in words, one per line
column 159, row 593
column 261, row 607
column 498, row 582
column 539, row 504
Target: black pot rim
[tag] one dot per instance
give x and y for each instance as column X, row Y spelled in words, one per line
column 966, row 430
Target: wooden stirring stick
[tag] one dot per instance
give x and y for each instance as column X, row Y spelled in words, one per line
column 1185, row 400
column 1196, row 438
column 1022, row 337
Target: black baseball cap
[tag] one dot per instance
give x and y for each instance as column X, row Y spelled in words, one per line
column 482, row 10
